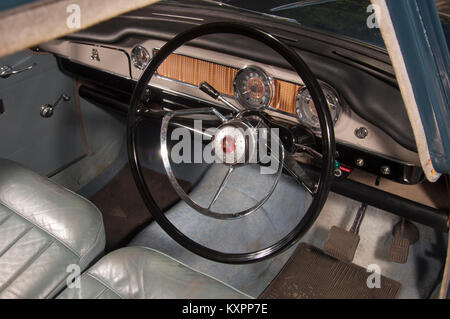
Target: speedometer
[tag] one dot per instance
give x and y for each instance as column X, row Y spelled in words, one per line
column 252, row 87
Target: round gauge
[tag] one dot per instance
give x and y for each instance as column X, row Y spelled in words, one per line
column 306, row 110
column 252, row 87
column 140, row 57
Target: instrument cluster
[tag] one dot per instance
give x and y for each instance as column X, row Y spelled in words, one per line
column 253, row 88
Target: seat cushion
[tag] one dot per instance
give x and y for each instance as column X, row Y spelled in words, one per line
column 44, row 228
column 143, row 273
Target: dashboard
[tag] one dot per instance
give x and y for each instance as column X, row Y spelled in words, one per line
column 249, row 83
column 250, row 86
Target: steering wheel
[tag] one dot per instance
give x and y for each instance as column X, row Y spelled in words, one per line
column 237, row 120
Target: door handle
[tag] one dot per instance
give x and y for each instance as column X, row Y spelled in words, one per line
column 6, row 71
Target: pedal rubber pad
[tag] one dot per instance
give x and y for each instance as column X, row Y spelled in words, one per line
column 399, row 249
column 341, row 244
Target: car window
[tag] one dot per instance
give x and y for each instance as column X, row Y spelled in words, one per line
column 351, row 18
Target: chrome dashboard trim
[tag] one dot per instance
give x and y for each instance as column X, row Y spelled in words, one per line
column 378, row 142
column 176, row 16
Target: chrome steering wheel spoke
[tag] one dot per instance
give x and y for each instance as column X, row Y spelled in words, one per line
column 207, row 211
column 222, row 186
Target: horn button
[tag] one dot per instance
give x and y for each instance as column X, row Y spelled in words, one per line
column 234, row 143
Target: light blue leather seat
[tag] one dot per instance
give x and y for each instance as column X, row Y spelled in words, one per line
column 143, row 273
column 44, row 228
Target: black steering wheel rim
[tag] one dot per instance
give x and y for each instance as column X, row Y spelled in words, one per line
column 327, row 133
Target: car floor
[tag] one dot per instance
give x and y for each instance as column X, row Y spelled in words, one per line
column 418, row 277
column 124, row 211
column 116, row 195
column 278, row 216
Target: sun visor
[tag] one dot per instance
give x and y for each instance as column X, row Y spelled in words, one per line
column 39, row 21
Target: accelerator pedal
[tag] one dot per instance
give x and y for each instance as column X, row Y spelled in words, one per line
column 405, row 234
column 342, row 244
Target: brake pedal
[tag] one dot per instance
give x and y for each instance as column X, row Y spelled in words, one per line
column 405, row 234
column 342, row 244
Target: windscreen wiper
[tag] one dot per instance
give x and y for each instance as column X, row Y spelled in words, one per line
column 299, row 4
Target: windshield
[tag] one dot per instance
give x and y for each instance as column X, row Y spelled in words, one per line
column 352, row 18
column 9, row 4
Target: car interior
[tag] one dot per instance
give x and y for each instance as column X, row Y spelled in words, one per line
column 216, row 149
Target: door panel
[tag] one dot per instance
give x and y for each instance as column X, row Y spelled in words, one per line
column 46, row 145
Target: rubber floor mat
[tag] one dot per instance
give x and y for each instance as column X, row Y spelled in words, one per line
column 123, row 210
column 312, row 274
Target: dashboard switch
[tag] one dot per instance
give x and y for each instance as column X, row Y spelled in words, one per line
column 360, row 162
column 337, row 172
column 385, row 170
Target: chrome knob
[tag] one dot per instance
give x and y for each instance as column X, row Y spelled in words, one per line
column 47, row 110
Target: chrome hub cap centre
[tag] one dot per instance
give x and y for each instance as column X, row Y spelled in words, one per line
column 234, row 143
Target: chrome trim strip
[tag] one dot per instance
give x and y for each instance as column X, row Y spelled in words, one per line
column 177, row 16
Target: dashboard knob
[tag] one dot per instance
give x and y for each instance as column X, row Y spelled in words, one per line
column 46, row 111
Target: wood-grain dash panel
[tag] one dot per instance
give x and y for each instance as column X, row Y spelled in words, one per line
column 284, row 96
column 194, row 71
